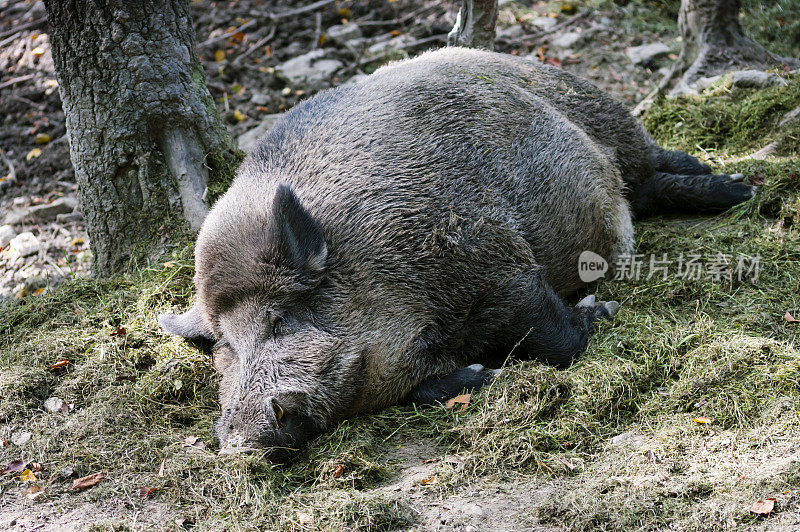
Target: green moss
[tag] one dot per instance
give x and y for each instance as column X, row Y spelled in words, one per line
column 222, row 166
column 735, row 121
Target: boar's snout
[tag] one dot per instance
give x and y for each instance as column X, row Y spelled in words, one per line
column 264, row 424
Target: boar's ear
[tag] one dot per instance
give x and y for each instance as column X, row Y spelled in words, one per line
column 301, row 241
column 189, row 325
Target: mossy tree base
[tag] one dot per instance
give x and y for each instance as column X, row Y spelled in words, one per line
column 714, row 42
column 140, row 121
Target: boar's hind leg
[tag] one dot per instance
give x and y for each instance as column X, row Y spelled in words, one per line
column 442, row 387
column 678, row 162
column 546, row 328
column 664, row 192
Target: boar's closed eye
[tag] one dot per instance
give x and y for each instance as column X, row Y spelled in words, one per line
column 277, row 326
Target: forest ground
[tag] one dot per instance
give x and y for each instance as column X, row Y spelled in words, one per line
column 683, row 413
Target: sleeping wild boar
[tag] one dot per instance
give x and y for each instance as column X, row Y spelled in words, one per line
column 388, row 237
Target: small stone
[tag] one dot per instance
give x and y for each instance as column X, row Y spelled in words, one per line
column 260, row 98
column 389, row 45
column 704, row 83
column 55, row 404
column 566, row 40
column 7, row 233
column 646, row 52
column 24, row 244
column 344, row 32
column 473, row 509
column 21, row 438
column 248, row 140
column 755, row 79
column 544, row 23
column 630, row 439
column 510, row 32
column 310, row 69
column 70, row 217
column 44, row 213
column 789, row 118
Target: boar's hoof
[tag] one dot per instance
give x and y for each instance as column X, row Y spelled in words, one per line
column 597, row 310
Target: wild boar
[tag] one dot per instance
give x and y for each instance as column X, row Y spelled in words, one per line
column 387, row 238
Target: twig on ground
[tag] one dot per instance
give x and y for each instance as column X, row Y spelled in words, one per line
column 412, row 44
column 27, row 26
column 398, row 21
column 674, row 71
column 300, row 10
column 12, row 173
column 261, row 42
column 11, row 39
column 568, row 22
column 317, row 31
column 224, row 36
column 14, row 81
column 26, row 101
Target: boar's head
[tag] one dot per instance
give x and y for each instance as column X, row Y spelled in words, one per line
column 260, row 279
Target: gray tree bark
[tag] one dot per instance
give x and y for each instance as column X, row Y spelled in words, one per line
column 145, row 138
column 475, row 25
column 714, row 41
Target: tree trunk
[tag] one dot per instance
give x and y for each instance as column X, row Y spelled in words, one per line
column 714, row 41
column 145, row 137
column 475, row 25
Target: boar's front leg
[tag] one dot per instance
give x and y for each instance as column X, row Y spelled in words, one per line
column 537, row 325
column 545, row 327
column 439, row 388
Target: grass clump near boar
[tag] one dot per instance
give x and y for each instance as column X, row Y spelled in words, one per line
column 683, row 412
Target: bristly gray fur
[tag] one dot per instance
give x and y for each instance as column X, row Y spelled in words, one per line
column 385, row 234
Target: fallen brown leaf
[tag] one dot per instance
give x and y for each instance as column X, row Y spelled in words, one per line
column 193, row 444
column 569, row 465
column 338, row 471
column 553, row 61
column 60, row 364
column 429, row 480
column 305, row 519
column 87, row 482
column 27, row 476
column 145, row 492
column 33, row 492
column 462, row 400
column 16, row 466
column 702, row 420
column 119, row 331
column 763, row 506
column 789, row 318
